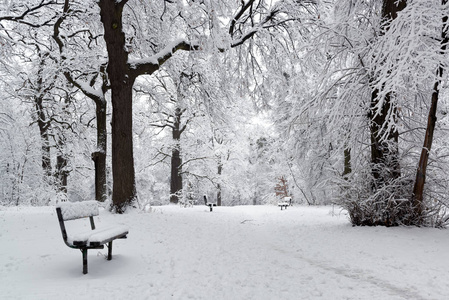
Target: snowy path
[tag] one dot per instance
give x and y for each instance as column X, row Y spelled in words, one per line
column 233, row 253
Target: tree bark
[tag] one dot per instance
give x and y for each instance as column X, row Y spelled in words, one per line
column 390, row 8
column 121, row 82
column 176, row 160
column 384, row 151
column 43, row 130
column 99, row 156
column 61, row 172
column 220, row 169
column 347, row 163
column 42, row 122
column 124, row 189
column 418, row 188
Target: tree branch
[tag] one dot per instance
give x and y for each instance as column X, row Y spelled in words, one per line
column 152, row 64
column 86, row 88
column 162, row 125
column 255, row 29
column 28, row 11
column 193, row 159
column 239, row 15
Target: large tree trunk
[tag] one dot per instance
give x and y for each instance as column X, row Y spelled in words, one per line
column 99, row 156
column 124, row 189
column 176, row 161
column 418, row 188
column 384, row 150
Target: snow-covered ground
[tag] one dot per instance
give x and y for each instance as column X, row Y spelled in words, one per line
column 244, row 252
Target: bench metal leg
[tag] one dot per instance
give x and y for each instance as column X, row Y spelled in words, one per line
column 84, row 251
column 110, row 250
column 210, row 206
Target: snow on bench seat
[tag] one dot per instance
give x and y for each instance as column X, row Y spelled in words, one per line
column 98, row 236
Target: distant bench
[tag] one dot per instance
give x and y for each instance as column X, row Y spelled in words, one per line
column 92, row 239
column 286, row 203
column 210, row 204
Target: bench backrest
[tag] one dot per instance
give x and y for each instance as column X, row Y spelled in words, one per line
column 77, row 210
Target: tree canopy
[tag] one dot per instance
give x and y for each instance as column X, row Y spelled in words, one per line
column 341, row 101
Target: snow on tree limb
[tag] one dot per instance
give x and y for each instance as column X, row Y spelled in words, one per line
column 151, row 64
column 20, row 18
column 85, row 87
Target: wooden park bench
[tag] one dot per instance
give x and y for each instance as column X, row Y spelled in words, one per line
column 210, row 204
column 286, row 203
column 91, row 239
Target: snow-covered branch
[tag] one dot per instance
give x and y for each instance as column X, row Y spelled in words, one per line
column 151, row 64
column 29, row 11
column 194, row 159
column 85, row 87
